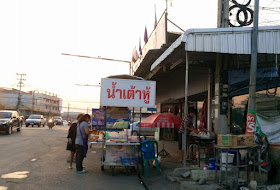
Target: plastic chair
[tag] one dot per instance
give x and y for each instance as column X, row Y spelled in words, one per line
column 148, row 153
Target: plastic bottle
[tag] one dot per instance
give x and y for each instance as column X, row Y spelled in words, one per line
column 106, row 135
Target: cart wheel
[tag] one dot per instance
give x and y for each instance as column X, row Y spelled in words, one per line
column 127, row 171
column 133, row 168
column 112, row 171
column 102, row 168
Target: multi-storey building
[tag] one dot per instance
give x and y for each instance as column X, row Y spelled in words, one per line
column 33, row 102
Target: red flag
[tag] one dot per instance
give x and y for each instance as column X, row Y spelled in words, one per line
column 146, row 35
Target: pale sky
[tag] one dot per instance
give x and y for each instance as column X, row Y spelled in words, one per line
column 34, row 33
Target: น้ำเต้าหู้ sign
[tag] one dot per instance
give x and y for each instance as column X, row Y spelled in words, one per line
column 127, row 93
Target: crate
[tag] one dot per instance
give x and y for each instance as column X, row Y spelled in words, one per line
column 129, row 161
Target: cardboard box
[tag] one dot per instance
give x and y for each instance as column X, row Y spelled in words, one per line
column 227, row 140
column 234, row 140
column 245, row 140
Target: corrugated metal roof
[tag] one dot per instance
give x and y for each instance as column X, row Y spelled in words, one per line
column 226, row 40
column 232, row 40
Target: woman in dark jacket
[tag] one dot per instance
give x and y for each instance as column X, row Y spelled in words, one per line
column 72, row 133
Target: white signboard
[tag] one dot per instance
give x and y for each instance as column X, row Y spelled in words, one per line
column 127, row 93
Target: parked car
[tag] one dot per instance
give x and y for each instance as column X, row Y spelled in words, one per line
column 143, row 131
column 58, row 120
column 8, row 120
column 35, row 120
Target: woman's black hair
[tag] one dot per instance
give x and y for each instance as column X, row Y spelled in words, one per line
column 192, row 110
column 84, row 118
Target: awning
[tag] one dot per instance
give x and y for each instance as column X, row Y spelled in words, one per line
column 226, row 40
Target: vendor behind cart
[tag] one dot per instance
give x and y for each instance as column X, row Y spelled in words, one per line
column 189, row 127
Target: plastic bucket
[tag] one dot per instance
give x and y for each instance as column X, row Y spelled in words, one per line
column 212, row 164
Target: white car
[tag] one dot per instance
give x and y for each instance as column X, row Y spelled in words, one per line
column 35, row 120
column 65, row 123
column 142, row 131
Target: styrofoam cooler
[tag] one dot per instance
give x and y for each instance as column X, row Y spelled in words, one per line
column 224, row 159
column 230, row 158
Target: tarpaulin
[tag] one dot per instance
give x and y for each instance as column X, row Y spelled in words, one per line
column 270, row 126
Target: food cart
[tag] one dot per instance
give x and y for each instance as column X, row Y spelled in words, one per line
column 119, row 148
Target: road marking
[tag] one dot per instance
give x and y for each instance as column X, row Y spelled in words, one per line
column 94, row 152
column 16, row 175
column 3, row 188
column 34, row 159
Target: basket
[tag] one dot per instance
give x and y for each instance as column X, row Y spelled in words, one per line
column 129, row 161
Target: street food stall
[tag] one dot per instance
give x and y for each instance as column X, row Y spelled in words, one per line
column 119, row 147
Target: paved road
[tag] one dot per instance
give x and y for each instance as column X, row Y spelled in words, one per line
column 35, row 158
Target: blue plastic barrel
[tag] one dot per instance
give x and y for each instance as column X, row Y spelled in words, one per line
column 212, row 163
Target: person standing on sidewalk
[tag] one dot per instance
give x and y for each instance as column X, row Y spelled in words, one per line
column 189, row 127
column 81, row 142
column 71, row 140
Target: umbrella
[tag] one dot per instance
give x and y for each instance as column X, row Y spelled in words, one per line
column 162, row 120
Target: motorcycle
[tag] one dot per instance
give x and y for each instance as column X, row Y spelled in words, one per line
column 50, row 123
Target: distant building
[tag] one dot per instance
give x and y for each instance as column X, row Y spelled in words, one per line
column 33, row 102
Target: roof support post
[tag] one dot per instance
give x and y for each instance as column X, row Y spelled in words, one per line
column 209, row 102
column 220, row 117
column 184, row 146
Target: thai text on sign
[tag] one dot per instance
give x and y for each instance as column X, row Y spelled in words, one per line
column 127, row 93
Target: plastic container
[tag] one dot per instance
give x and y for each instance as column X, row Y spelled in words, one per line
column 205, row 167
column 212, row 164
column 230, row 160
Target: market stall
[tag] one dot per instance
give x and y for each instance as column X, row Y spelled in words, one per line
column 162, row 120
column 119, row 148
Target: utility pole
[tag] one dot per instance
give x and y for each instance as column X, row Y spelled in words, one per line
column 33, row 99
column 223, row 13
column 250, row 124
column 68, row 111
column 20, row 84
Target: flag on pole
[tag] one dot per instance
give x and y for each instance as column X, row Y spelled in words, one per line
column 140, row 49
column 146, row 35
column 134, row 55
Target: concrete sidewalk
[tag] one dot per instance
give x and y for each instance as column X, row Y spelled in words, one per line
column 174, row 176
column 172, row 170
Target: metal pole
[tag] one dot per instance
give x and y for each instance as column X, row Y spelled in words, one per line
column 185, row 110
column 33, row 99
column 209, row 103
column 254, row 60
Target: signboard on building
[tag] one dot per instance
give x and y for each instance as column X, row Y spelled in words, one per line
column 127, row 93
